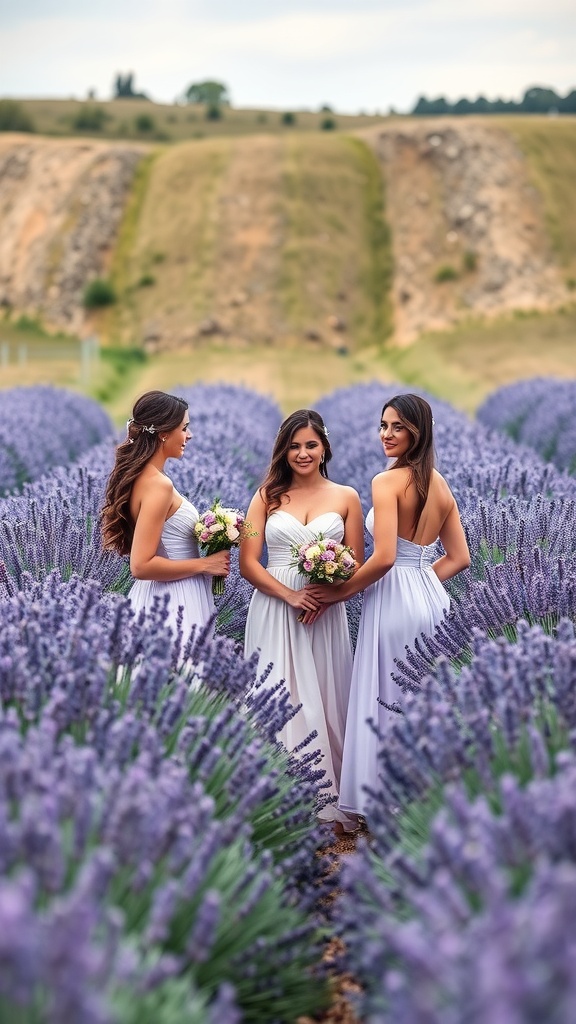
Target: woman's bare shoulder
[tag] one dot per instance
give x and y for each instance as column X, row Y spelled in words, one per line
column 153, row 483
column 442, row 488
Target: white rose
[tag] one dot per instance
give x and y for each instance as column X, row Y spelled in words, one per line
column 232, row 533
column 216, row 528
column 313, row 552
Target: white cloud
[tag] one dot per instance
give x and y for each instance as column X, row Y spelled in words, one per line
column 367, row 55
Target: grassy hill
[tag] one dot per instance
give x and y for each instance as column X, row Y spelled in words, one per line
column 262, row 254
column 145, row 120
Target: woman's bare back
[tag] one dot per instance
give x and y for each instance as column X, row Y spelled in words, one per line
column 438, row 505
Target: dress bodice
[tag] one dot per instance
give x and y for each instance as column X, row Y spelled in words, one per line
column 283, row 530
column 178, row 540
column 407, row 553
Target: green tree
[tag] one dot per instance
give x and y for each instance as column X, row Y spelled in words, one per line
column 208, row 92
column 13, row 117
column 124, row 87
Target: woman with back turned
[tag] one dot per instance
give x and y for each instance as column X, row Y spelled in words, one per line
column 145, row 517
column 413, row 506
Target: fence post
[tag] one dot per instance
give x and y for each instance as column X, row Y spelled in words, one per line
column 4, row 353
column 88, row 352
column 22, row 353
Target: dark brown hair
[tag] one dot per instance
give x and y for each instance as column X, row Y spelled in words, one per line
column 416, row 415
column 154, row 413
column 279, row 476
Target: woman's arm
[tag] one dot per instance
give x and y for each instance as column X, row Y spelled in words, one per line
column 454, row 542
column 385, row 499
column 354, row 526
column 145, row 564
column 251, row 569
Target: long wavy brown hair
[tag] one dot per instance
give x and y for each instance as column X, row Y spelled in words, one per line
column 155, row 413
column 278, row 478
column 416, row 415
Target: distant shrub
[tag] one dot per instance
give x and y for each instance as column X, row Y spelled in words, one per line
column 144, row 123
column 470, row 260
column 146, row 281
column 89, row 119
column 13, row 117
column 288, row 118
column 446, row 273
column 98, row 292
column 213, row 112
column 327, row 124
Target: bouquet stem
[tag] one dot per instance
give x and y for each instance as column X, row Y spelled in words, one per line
column 218, row 584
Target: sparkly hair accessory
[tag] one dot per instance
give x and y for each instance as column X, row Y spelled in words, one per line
column 149, row 430
column 325, row 429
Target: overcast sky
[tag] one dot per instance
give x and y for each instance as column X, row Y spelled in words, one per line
column 290, row 54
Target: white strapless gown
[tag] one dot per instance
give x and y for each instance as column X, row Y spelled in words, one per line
column 314, row 661
column 194, row 594
column 407, row 601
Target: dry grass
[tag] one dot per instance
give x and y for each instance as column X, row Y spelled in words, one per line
column 549, row 145
column 461, row 366
column 175, row 122
column 274, row 238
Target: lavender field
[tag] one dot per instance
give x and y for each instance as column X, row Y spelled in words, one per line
column 160, row 857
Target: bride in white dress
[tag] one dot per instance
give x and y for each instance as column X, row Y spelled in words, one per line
column 295, row 503
column 402, row 579
column 145, row 516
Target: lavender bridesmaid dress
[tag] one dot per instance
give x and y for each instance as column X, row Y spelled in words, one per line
column 407, row 601
column 314, row 661
column 193, row 594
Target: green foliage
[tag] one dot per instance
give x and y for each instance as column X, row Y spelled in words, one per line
column 144, row 123
column 213, row 112
column 381, row 269
column 470, row 261
column 13, row 117
column 97, row 293
column 146, row 281
column 446, row 272
column 288, row 118
column 327, row 124
column 535, row 101
column 209, row 92
column 124, row 88
column 89, row 118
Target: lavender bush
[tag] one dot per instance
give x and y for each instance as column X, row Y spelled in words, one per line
column 54, row 523
column 42, row 427
column 478, row 927
column 538, row 412
column 98, row 733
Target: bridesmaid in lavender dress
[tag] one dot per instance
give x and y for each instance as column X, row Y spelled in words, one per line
column 295, row 503
column 404, row 597
column 145, row 517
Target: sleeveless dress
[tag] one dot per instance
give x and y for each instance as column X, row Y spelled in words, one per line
column 193, row 594
column 407, row 601
column 314, row 661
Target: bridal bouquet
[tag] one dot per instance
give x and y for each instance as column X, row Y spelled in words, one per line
column 219, row 529
column 324, row 560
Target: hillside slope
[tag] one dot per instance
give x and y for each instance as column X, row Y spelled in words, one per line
column 61, row 204
column 284, row 239
column 468, row 224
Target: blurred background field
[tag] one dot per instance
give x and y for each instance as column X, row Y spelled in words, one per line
column 286, row 257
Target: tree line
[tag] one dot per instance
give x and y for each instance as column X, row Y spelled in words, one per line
column 536, row 100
